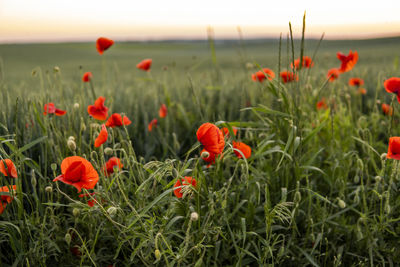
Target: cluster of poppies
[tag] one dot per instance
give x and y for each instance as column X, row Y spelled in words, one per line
column 392, row 85
column 7, row 168
column 213, row 140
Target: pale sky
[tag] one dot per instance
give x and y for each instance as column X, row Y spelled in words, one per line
column 74, row 20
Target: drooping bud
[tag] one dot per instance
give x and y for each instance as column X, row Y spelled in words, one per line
column 71, row 145
column 157, row 254
column 194, row 216
column 112, row 211
column 108, row 151
column 67, row 238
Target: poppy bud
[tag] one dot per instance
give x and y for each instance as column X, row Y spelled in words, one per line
column 56, row 69
column 48, row 189
column 296, row 142
column 67, row 238
column 71, row 138
column 387, row 208
column 83, row 126
column 378, row 179
column 249, row 65
column 356, row 179
column 71, row 145
column 175, row 173
column 76, row 212
column 194, row 216
column 76, row 105
column 360, row 164
column 108, row 151
column 112, row 211
column 157, row 254
column 383, row 156
column 341, row 203
column 378, row 101
column 356, row 199
column 53, row 167
column 205, row 155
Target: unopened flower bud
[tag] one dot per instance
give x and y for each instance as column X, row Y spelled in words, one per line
column 56, row 69
column 108, row 151
column 71, row 145
column 383, row 156
column 297, row 196
column 356, row 179
column 378, row 179
column 157, row 254
column 53, row 167
column 76, row 212
column 76, row 106
column 341, row 203
column 67, row 238
column 71, row 138
column 48, row 189
column 33, row 178
column 194, row 216
column 112, row 211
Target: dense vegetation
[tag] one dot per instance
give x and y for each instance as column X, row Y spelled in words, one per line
column 316, row 190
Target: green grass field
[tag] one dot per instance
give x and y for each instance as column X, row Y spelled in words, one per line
column 316, row 190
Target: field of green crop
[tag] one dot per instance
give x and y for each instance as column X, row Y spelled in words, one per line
column 317, row 189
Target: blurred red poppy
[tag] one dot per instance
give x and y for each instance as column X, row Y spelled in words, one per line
column 6, row 199
column 152, row 124
column 392, row 85
column 98, row 110
column 109, row 167
column 387, row 109
column 356, row 82
column 102, row 137
column 348, row 61
column 362, row 91
column 78, row 172
column 322, row 104
column 225, row 131
column 211, row 138
column 262, row 75
column 90, row 202
column 187, row 180
column 245, row 149
column 50, row 108
column 163, row 111
column 115, row 120
column 7, row 168
column 87, row 76
column 102, row 44
column 288, row 76
column 333, row 74
column 394, row 148
column 307, row 63
column 145, row 64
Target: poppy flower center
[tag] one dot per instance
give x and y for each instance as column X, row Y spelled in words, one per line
column 74, row 172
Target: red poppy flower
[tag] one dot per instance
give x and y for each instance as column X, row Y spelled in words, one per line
column 144, row 64
column 109, row 167
column 322, row 104
column 6, row 199
column 78, row 172
column 262, row 75
column 90, row 202
column 115, row 120
column 102, row 138
column 362, row 91
column 356, row 82
column 102, row 44
column 392, row 85
column 98, row 110
column 245, row 149
column 333, row 74
column 348, row 61
column 211, row 138
column 394, row 148
column 225, row 131
column 387, row 109
column 187, row 180
column 152, row 124
column 87, row 76
column 163, row 111
column 288, row 76
column 307, row 63
column 7, row 168
column 50, row 108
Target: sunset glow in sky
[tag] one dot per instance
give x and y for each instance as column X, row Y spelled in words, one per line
column 84, row 20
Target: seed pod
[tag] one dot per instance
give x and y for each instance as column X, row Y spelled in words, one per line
column 205, row 155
